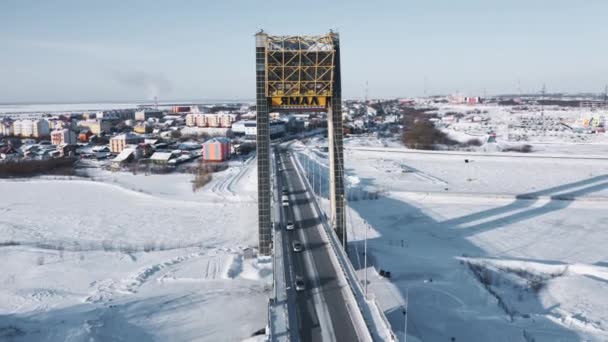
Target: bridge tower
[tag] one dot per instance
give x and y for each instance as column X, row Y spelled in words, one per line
column 299, row 74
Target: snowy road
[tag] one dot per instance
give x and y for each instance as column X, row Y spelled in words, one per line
column 323, row 315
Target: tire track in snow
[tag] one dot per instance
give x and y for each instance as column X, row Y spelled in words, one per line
column 107, row 289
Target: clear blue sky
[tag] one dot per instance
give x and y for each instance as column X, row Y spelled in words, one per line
column 130, row 50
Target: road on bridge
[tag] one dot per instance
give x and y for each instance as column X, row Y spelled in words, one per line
column 322, row 307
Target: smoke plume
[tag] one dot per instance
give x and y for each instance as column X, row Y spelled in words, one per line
column 152, row 84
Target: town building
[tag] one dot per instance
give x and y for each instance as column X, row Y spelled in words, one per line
column 60, row 122
column 216, row 149
column 223, row 120
column 96, row 126
column 84, row 135
column 119, row 114
column 226, row 120
column 119, row 142
column 145, row 114
column 6, row 129
column 142, row 128
column 184, row 109
column 249, row 128
column 31, row 128
column 63, row 136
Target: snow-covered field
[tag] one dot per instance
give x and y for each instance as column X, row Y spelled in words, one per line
column 523, row 124
column 128, row 257
column 506, row 247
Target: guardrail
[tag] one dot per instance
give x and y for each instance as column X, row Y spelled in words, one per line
column 370, row 310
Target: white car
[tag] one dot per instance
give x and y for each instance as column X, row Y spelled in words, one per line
column 289, row 225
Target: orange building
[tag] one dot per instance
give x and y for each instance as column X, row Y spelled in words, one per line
column 216, row 149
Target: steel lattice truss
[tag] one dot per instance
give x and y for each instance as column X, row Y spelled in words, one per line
column 299, row 65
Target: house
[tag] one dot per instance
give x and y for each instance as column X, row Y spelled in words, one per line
column 189, row 146
column 161, row 157
column 127, row 154
column 66, row 150
column 216, row 149
column 142, row 128
column 84, row 135
column 8, row 152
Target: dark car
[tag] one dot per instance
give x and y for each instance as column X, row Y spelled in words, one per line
column 299, row 283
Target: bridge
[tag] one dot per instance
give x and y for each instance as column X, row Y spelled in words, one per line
column 317, row 295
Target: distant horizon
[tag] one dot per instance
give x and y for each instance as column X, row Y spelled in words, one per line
column 252, row 100
column 160, row 103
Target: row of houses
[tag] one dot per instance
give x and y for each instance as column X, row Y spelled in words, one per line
column 214, row 150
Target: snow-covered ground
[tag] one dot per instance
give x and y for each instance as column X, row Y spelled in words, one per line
column 506, row 247
column 531, row 124
column 124, row 257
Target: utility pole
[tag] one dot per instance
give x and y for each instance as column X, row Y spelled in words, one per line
column 314, row 192
column 543, row 91
column 405, row 308
column 426, row 81
column 344, row 224
column 365, row 257
column 606, row 95
column 320, row 184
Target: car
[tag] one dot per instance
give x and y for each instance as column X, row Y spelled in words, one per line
column 285, row 203
column 289, row 225
column 299, row 283
column 297, row 246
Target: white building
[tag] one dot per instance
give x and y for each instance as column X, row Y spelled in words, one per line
column 239, row 127
column 224, row 120
column 31, row 128
column 249, row 127
column 6, row 129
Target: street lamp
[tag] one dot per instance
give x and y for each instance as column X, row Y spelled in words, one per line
column 365, row 258
column 404, row 311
